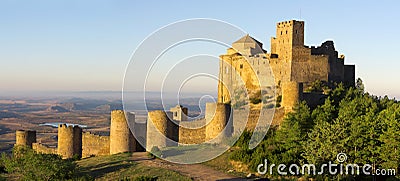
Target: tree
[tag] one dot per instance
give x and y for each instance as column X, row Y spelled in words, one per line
column 360, row 84
column 390, row 138
column 293, row 132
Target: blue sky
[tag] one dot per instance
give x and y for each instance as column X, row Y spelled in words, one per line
column 49, row 45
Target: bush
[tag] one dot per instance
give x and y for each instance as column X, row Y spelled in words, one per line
column 244, row 139
column 242, row 155
column 30, row 165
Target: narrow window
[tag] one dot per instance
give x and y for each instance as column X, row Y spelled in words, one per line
column 241, row 66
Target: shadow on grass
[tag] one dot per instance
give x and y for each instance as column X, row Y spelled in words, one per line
column 99, row 170
column 176, row 152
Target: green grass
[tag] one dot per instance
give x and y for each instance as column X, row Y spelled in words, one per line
column 223, row 164
column 120, row 167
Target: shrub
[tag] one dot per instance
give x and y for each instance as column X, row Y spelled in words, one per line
column 30, row 165
column 242, row 155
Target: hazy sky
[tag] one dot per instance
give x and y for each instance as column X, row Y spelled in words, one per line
column 85, row 45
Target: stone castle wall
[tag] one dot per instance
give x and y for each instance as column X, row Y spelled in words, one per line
column 192, row 132
column 240, row 116
column 292, row 93
column 316, row 67
column 40, row 148
column 95, row 145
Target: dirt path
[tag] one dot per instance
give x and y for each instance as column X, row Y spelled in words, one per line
column 195, row 171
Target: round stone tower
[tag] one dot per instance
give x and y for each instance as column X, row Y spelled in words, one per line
column 292, row 93
column 219, row 121
column 25, row 138
column 69, row 141
column 121, row 138
column 161, row 131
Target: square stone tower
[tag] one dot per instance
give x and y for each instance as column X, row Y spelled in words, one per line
column 289, row 34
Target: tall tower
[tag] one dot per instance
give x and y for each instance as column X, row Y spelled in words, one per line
column 121, row 138
column 219, row 122
column 161, row 130
column 289, row 34
column 69, row 141
column 25, row 138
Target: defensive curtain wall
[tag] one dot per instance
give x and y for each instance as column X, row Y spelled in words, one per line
column 72, row 141
column 160, row 130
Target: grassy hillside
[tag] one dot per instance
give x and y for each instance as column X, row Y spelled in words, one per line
column 122, row 166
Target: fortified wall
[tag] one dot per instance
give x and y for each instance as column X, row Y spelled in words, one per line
column 161, row 130
column 72, row 141
column 95, row 145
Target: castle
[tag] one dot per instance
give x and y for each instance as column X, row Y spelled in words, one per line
column 246, row 67
column 291, row 64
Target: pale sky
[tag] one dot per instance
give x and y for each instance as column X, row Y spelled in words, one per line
column 76, row 45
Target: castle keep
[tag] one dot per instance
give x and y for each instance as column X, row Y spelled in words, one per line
column 290, row 62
